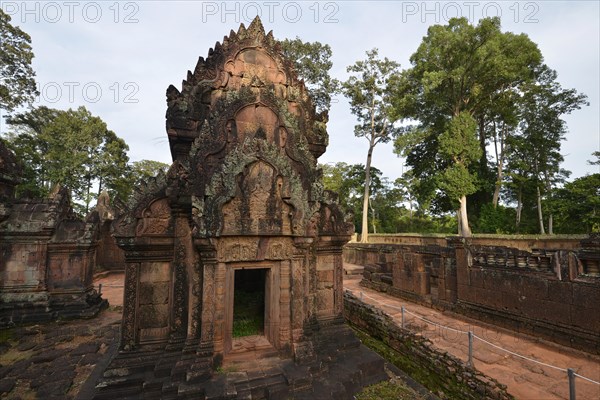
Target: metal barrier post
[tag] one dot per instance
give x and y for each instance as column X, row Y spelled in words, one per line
column 571, row 374
column 470, row 361
column 99, row 288
column 402, row 319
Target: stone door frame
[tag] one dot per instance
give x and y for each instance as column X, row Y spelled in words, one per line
column 272, row 320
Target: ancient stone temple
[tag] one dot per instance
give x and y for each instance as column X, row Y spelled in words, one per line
column 47, row 254
column 242, row 201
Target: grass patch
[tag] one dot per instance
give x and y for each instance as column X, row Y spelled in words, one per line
column 433, row 382
column 388, row 390
column 248, row 313
column 7, row 335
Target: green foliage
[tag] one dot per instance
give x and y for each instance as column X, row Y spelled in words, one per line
column 347, row 181
column 432, row 381
column 470, row 84
column 499, row 219
column 312, row 62
column 367, row 90
column 458, row 142
column 388, row 390
column 535, row 156
column 456, row 181
column 72, row 148
column 389, row 200
column 576, row 206
column 249, row 308
column 17, row 82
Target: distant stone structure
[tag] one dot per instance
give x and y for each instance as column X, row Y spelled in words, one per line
column 109, row 257
column 548, row 286
column 46, row 254
column 243, row 196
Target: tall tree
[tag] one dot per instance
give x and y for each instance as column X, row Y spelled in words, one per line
column 25, row 140
column 17, row 82
column 368, row 91
column 144, row 169
column 312, row 62
column 542, row 131
column 72, row 148
column 348, row 182
column 478, row 70
column 577, row 205
column 459, row 147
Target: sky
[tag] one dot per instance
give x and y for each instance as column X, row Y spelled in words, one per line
column 117, row 58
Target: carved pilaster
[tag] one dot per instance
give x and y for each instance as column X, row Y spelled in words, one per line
column 128, row 326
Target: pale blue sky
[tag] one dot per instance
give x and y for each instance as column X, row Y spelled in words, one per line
column 132, row 50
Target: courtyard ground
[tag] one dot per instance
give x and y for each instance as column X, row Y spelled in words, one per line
column 64, row 359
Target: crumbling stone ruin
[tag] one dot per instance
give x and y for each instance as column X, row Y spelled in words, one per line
column 548, row 287
column 46, row 254
column 243, row 197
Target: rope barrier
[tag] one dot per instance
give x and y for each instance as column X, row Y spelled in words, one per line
column 483, row 340
column 587, row 379
column 519, row 355
column 435, row 323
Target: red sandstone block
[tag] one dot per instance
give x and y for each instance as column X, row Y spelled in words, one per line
column 476, row 278
column 586, row 318
column 489, row 298
column 511, row 283
column 586, row 295
column 465, row 293
column 560, row 291
column 547, row 311
column 535, row 286
column 325, row 276
column 512, row 302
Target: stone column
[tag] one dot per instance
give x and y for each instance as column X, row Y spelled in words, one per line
column 463, row 263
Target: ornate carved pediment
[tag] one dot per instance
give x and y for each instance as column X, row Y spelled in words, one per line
column 155, row 219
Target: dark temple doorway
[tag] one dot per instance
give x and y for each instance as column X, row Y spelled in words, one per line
column 249, row 302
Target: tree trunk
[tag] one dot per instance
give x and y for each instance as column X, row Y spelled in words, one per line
column 519, row 209
column 87, row 195
column 540, row 215
column 364, row 235
column 373, row 217
column 549, row 196
column 463, row 220
column 499, row 165
column 483, row 160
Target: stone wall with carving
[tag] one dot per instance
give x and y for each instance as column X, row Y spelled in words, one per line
column 548, row 289
column 47, row 256
column 244, row 191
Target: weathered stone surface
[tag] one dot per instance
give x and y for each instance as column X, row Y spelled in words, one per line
column 244, row 192
column 550, row 290
column 46, row 261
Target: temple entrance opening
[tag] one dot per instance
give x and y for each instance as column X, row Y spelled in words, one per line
column 249, row 303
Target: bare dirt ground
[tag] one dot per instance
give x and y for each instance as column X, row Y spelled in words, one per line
column 524, row 379
column 56, row 360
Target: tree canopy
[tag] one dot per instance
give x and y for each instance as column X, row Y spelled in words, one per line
column 367, row 90
column 469, row 86
column 72, row 148
column 312, row 62
column 17, row 78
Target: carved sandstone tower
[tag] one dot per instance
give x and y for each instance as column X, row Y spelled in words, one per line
column 244, row 193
